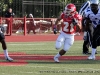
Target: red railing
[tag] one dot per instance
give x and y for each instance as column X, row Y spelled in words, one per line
column 14, row 24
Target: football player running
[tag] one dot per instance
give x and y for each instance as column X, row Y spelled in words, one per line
column 93, row 17
column 87, row 34
column 71, row 20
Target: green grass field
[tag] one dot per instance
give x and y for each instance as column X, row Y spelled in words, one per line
column 44, row 67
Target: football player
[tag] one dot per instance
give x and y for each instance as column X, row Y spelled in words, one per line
column 93, row 17
column 4, row 46
column 87, row 35
column 84, row 9
column 71, row 19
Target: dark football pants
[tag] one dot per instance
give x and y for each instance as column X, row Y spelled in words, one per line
column 85, row 46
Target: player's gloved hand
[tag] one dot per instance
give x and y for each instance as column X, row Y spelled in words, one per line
column 85, row 36
column 74, row 21
column 2, row 29
column 55, row 29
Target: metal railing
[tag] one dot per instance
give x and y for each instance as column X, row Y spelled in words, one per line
column 16, row 26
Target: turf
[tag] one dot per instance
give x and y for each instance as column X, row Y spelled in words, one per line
column 47, row 67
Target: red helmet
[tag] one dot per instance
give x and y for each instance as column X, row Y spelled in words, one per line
column 70, row 8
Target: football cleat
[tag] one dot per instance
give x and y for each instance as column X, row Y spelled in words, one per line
column 9, row 59
column 86, row 53
column 91, row 57
column 56, row 59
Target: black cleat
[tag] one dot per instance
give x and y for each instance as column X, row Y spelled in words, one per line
column 87, row 53
column 9, row 59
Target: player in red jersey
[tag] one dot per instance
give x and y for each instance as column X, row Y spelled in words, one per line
column 71, row 19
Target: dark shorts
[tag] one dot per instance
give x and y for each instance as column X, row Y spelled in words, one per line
column 2, row 36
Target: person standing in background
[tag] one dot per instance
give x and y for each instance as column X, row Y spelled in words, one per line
column 31, row 25
column 8, row 15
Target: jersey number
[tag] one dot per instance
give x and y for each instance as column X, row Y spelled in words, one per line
column 68, row 27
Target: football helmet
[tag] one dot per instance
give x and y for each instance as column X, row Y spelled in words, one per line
column 70, row 8
column 94, row 5
column 30, row 15
column 94, row 2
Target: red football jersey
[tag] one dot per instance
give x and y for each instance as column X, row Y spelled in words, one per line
column 67, row 26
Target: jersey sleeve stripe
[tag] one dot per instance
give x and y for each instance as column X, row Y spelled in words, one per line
column 83, row 7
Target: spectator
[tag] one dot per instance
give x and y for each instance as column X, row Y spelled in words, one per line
column 8, row 15
column 31, row 25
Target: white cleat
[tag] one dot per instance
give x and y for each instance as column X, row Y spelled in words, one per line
column 9, row 59
column 56, row 59
column 91, row 57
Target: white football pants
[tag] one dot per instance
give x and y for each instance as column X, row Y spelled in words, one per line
column 65, row 40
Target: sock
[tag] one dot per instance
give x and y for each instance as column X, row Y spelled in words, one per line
column 93, row 52
column 6, row 53
column 58, row 55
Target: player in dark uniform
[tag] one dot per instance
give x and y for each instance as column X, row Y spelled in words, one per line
column 93, row 17
column 4, row 46
column 82, row 12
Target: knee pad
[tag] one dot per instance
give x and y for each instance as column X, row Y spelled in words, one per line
column 58, row 45
column 67, row 46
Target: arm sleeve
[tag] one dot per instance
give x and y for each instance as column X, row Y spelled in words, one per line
column 83, row 7
column 87, row 16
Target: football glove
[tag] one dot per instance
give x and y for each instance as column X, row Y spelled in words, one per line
column 54, row 30
column 2, row 29
column 85, row 36
column 74, row 21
